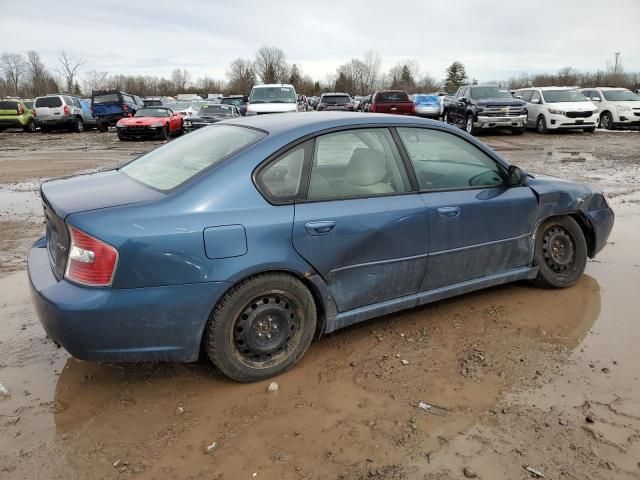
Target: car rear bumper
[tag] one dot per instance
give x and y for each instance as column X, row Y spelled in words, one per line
column 431, row 111
column 53, row 121
column 121, row 325
column 500, row 122
column 602, row 222
column 12, row 122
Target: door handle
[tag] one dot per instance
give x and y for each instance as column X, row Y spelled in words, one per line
column 321, row 227
column 449, row 212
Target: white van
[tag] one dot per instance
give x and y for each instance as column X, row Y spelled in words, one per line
column 272, row 98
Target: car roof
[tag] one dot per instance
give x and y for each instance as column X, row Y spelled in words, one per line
column 266, row 85
column 335, row 93
column 289, row 122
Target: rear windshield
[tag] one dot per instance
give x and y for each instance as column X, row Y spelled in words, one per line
column 50, row 102
column 216, row 110
column 174, row 163
column 391, row 97
column 9, row 106
column 107, row 98
column 233, row 101
column 335, row 99
column 152, row 103
column 426, row 100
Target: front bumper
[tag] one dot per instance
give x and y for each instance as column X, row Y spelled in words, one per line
column 500, row 122
column 627, row 118
column 602, row 222
column 562, row 122
column 121, row 325
column 139, row 132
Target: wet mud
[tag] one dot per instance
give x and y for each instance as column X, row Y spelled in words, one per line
column 545, row 379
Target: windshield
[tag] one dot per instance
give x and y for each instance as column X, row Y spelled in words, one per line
column 620, row 95
column 335, row 99
column 107, row 98
column 152, row 103
column 272, row 95
column 483, row 93
column 179, row 106
column 152, row 112
column 174, row 163
column 233, row 101
column 216, row 110
column 558, row 96
column 391, row 97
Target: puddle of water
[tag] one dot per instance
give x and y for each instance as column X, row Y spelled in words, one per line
column 20, row 201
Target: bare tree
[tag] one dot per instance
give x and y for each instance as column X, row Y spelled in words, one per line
column 271, row 65
column 14, row 68
column 372, row 62
column 68, row 68
column 180, row 78
column 241, row 76
column 97, row 80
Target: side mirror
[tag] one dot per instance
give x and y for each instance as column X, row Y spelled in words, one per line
column 516, row 176
column 596, row 99
column 463, row 99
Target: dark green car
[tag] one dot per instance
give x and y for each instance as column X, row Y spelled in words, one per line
column 17, row 114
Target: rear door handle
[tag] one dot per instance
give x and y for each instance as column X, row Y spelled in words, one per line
column 449, row 212
column 321, row 227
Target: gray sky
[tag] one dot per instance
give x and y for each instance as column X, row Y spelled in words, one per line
column 494, row 39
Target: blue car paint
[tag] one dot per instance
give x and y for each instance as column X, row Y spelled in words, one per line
column 169, row 279
column 427, row 100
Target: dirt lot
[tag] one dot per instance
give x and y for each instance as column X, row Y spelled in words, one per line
column 544, row 379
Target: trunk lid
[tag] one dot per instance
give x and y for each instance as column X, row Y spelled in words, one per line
column 61, row 198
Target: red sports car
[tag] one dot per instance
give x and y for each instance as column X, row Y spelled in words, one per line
column 153, row 122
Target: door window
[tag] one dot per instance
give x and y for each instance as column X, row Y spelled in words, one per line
column 443, row 161
column 356, row 163
column 526, row 95
column 536, row 96
column 281, row 179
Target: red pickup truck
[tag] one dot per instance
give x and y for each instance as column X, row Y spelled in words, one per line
column 392, row 101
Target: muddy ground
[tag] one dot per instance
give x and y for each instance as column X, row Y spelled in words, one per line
column 545, row 379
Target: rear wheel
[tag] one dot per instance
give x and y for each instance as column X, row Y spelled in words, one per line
column 30, row 127
column 560, row 253
column 77, row 126
column 103, row 127
column 541, row 124
column 261, row 327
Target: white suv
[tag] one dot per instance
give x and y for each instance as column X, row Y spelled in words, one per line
column 558, row 108
column 58, row 111
column 618, row 107
column 272, row 98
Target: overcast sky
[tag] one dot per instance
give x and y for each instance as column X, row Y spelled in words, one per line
column 493, row 38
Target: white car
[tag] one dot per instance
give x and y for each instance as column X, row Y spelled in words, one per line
column 618, row 107
column 558, row 108
column 272, row 98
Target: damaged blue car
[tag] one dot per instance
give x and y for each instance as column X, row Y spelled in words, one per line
column 249, row 238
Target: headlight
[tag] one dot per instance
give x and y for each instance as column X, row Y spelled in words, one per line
column 156, row 125
column 120, row 123
column 623, row 108
column 556, row 112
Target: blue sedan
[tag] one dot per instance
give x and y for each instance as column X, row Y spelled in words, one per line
column 250, row 238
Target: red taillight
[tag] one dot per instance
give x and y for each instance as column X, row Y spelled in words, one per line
column 20, row 109
column 91, row 261
column 372, row 108
column 66, row 110
column 125, row 107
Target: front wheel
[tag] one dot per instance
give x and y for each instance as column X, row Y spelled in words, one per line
column 541, row 124
column 261, row 327
column 78, row 125
column 469, row 126
column 30, row 127
column 560, row 253
column 103, row 127
column 606, row 121
column 164, row 133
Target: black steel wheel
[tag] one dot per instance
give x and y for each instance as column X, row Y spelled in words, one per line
column 261, row 327
column 560, row 252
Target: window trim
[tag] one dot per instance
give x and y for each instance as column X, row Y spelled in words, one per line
column 502, row 168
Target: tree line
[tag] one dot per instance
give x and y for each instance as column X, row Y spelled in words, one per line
column 27, row 76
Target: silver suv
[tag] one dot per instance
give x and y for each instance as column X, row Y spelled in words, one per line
column 57, row 112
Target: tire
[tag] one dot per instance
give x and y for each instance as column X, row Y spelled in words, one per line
column 238, row 335
column 541, row 124
column 45, row 129
column 517, row 131
column 77, row 126
column 165, row 133
column 606, row 121
column 470, row 129
column 181, row 129
column 30, row 127
column 560, row 253
column 121, row 137
column 589, row 130
column 103, row 127
column 445, row 117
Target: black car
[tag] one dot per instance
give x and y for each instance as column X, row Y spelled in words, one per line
column 209, row 114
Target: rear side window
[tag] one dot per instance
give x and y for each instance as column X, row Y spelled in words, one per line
column 281, row 179
column 335, row 99
column 69, row 101
column 356, row 163
column 443, row 161
column 107, row 98
column 50, row 102
column 391, row 97
column 174, row 163
column 9, row 106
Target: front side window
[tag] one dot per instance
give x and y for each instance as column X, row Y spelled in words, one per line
column 356, row 163
column 526, row 95
column 535, row 98
column 171, row 165
column 443, row 161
